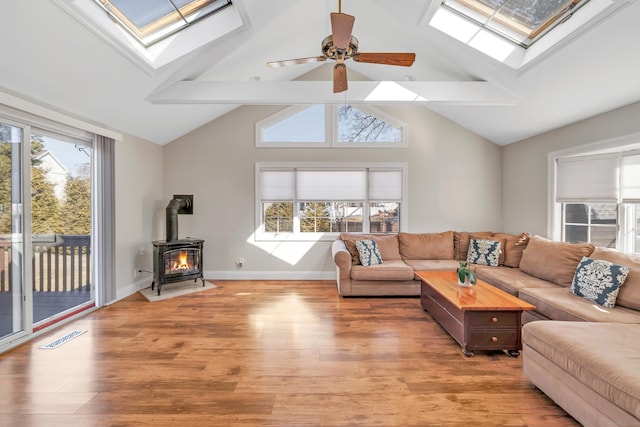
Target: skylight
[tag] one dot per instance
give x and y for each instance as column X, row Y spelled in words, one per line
column 154, row 33
column 150, row 21
column 519, row 21
column 518, row 33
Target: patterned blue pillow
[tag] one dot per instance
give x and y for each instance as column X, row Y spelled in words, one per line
column 484, row 252
column 369, row 253
column 599, row 281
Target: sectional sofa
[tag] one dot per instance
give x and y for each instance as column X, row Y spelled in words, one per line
column 584, row 355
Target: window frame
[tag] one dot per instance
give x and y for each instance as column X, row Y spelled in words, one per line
column 296, row 234
column 624, row 145
column 331, row 129
column 590, row 225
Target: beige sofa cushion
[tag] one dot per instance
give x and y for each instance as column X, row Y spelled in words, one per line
column 510, row 279
column 560, row 304
column 513, row 248
column 602, row 356
column 426, row 245
column 553, row 261
column 432, row 264
column 629, row 295
column 388, row 270
column 387, row 245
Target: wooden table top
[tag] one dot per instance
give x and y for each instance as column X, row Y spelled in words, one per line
column 480, row 297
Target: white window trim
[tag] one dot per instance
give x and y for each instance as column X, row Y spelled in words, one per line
column 331, row 129
column 260, row 235
column 554, row 209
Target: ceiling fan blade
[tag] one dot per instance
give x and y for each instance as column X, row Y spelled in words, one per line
column 341, row 27
column 403, row 59
column 287, row 62
column 339, row 78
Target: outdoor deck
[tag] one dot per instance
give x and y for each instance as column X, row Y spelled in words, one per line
column 61, row 276
column 45, row 305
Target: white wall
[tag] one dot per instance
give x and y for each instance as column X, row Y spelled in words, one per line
column 524, row 165
column 454, row 183
column 138, row 187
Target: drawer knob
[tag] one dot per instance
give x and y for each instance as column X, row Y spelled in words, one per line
column 494, row 319
column 494, row 339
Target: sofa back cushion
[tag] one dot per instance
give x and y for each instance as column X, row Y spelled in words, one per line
column 387, row 245
column 426, row 245
column 629, row 295
column 461, row 241
column 513, row 248
column 553, row 261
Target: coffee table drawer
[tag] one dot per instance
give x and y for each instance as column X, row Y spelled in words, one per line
column 501, row 339
column 493, row 319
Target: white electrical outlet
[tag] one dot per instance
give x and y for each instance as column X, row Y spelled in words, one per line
column 240, row 262
column 141, row 251
column 135, row 273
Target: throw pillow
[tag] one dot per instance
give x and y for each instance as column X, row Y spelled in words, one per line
column 629, row 295
column 484, row 252
column 368, row 252
column 599, row 281
column 387, row 245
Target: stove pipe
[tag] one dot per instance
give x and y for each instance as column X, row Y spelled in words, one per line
column 173, row 208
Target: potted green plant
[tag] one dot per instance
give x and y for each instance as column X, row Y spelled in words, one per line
column 466, row 277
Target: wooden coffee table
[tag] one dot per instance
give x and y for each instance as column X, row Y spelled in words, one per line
column 481, row 317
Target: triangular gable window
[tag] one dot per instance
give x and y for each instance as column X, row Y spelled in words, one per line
column 358, row 126
column 306, row 125
column 330, row 126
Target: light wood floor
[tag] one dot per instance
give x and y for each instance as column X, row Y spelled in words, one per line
column 265, row 354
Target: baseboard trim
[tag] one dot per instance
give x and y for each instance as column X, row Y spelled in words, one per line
column 270, row 275
column 131, row 289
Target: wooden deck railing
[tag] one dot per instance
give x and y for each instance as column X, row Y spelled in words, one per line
column 60, row 264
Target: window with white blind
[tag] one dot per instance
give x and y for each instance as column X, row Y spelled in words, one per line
column 600, row 199
column 316, row 201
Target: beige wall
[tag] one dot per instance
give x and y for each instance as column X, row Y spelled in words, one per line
column 454, row 183
column 524, row 165
column 138, row 187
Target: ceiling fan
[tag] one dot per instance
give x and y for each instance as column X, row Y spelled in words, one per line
column 341, row 45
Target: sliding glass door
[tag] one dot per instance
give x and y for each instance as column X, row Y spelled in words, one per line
column 12, row 292
column 60, row 225
column 45, row 193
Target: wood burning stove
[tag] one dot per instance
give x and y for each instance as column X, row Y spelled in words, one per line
column 176, row 260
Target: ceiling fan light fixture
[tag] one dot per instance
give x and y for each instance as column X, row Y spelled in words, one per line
column 341, row 45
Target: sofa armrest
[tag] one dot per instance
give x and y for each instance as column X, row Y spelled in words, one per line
column 342, row 259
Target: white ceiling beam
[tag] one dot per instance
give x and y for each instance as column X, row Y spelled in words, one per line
column 321, row 92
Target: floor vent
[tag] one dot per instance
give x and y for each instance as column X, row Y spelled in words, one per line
column 63, row 339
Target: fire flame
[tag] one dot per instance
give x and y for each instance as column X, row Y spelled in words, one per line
column 182, row 262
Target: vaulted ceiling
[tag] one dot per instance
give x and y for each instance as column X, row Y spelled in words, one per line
column 52, row 57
